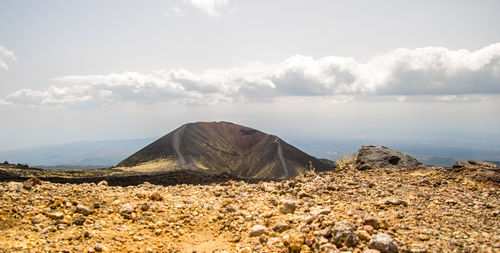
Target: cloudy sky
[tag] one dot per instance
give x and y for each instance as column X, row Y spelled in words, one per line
column 404, row 71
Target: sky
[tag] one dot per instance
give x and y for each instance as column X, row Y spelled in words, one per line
column 425, row 72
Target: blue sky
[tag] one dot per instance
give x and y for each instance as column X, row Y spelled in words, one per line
column 407, row 71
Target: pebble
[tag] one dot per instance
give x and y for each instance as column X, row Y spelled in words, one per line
column 281, row 227
column 79, row 221
column 56, row 215
column 156, row 197
column 98, row 247
column 370, row 220
column 82, row 209
column 324, row 211
column 257, row 230
column 363, row 235
column 384, row 243
column 126, row 209
column 343, row 234
column 288, row 206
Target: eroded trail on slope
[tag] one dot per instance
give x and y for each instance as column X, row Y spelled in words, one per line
column 177, row 144
column 282, row 160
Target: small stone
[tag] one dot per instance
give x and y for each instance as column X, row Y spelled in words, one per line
column 281, row 227
column 82, row 209
column 370, row 220
column 230, row 208
column 146, row 206
column 257, row 230
column 245, row 250
column 363, row 235
column 395, row 201
column 384, row 243
column 36, row 220
column 79, row 221
column 288, row 206
column 295, row 241
column 98, row 247
column 422, row 237
column 235, row 238
column 326, row 232
column 324, row 211
column 309, row 219
column 120, row 239
column 305, row 249
column 328, row 247
column 126, row 209
column 156, row 197
column 343, row 234
column 303, row 194
column 56, row 215
column 368, row 229
column 77, row 189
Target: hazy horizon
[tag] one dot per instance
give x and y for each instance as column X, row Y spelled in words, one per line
column 416, row 73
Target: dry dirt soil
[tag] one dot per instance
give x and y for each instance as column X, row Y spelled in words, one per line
column 381, row 210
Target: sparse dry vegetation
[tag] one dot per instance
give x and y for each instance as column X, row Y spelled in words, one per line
column 343, row 162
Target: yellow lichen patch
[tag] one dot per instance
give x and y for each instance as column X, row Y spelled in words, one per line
column 152, row 166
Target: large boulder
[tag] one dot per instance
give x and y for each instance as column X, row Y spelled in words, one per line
column 382, row 157
column 481, row 171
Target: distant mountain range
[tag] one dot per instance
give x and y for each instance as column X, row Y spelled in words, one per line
column 97, row 154
column 86, row 154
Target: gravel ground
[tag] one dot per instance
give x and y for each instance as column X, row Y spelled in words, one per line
column 380, row 210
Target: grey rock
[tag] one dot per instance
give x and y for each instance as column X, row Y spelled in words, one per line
column 368, row 157
column 384, row 243
column 257, row 230
column 82, row 209
column 343, row 234
column 481, row 171
column 126, row 209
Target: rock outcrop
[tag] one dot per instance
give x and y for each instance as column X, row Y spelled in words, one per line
column 481, row 171
column 368, row 157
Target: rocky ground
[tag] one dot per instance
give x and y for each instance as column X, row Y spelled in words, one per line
column 378, row 210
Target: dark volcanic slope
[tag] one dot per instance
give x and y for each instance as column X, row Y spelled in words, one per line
column 227, row 147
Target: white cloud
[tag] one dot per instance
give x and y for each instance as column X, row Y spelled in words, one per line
column 449, row 75
column 210, row 7
column 5, row 56
column 174, row 10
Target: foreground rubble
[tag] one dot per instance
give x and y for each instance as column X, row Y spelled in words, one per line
column 380, row 210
